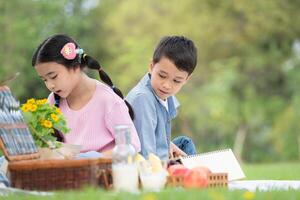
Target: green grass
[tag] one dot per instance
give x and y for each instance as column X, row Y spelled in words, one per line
column 277, row 171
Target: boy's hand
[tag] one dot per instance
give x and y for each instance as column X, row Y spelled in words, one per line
column 175, row 151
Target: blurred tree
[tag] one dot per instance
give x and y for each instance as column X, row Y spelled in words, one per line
column 25, row 24
column 286, row 137
column 244, row 93
column 239, row 90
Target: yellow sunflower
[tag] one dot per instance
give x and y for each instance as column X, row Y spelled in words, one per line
column 25, row 107
column 30, row 101
column 54, row 117
column 47, row 124
column 33, row 107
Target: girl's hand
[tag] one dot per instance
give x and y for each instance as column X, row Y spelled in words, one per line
column 175, row 151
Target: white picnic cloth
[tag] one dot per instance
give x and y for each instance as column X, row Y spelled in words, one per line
column 5, row 191
column 264, row 185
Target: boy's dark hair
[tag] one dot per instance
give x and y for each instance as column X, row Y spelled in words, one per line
column 178, row 49
column 49, row 51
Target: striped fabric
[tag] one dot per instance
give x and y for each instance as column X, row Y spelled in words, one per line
column 13, row 131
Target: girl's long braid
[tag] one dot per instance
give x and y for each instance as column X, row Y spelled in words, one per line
column 94, row 64
column 56, row 100
column 59, row 136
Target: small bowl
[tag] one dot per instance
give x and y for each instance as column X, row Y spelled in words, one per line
column 153, row 181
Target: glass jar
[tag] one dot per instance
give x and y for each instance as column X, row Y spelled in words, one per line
column 124, row 169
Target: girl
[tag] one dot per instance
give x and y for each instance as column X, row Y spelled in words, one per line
column 91, row 108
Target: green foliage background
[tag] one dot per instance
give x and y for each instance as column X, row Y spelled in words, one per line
column 244, row 93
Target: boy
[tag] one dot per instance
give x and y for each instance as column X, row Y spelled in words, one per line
column 153, row 100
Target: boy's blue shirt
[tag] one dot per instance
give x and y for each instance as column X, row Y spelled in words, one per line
column 152, row 120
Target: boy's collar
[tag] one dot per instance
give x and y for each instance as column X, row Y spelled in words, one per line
column 148, row 84
column 147, row 79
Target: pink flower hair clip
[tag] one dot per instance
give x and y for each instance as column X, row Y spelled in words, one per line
column 69, row 51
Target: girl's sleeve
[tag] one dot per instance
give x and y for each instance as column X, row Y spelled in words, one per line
column 119, row 115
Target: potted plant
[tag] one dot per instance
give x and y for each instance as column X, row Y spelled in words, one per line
column 43, row 119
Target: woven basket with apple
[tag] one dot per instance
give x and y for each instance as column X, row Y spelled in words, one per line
column 155, row 174
column 198, row 177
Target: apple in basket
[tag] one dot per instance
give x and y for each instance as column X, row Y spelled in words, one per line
column 177, row 170
column 196, row 178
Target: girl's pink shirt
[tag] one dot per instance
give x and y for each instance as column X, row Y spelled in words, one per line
column 92, row 126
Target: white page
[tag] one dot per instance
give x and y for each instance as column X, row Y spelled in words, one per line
column 222, row 161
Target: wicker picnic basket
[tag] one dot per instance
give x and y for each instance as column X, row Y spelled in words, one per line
column 214, row 180
column 47, row 175
column 27, row 171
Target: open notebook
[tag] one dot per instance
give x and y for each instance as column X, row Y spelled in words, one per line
column 217, row 161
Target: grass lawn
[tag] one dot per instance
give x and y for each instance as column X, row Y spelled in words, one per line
column 277, row 171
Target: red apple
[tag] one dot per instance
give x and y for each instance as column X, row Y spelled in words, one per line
column 202, row 168
column 196, row 178
column 177, row 170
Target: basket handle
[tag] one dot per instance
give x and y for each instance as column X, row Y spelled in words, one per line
column 105, row 175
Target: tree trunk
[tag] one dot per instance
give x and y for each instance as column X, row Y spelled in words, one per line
column 239, row 141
